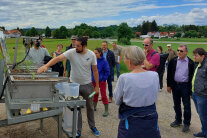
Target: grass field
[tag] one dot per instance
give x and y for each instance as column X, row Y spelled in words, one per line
column 51, row 45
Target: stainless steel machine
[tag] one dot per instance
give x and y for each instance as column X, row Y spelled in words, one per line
column 23, row 91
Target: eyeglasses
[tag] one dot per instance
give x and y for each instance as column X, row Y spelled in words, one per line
column 180, row 51
column 146, row 44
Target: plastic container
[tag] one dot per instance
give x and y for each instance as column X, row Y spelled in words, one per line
column 68, row 120
column 73, row 90
column 62, row 87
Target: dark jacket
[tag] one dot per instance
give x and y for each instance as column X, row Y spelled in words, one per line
column 103, row 69
column 200, row 84
column 111, row 60
column 172, row 68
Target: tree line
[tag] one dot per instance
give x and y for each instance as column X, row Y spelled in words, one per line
column 123, row 33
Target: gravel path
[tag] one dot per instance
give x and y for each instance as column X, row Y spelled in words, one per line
column 106, row 125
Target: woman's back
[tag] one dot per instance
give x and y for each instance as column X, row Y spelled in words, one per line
column 137, row 89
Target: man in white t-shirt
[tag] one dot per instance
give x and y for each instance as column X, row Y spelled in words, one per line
column 81, row 60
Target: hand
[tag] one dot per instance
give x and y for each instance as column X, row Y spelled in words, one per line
column 42, row 69
column 146, row 51
column 96, row 89
column 64, row 73
column 169, row 89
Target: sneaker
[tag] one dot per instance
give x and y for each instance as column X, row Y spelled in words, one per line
column 95, row 131
column 175, row 124
column 199, row 134
column 78, row 134
column 185, row 128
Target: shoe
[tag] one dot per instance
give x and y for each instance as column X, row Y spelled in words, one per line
column 95, row 131
column 175, row 124
column 78, row 134
column 110, row 99
column 185, row 128
column 199, row 134
column 106, row 113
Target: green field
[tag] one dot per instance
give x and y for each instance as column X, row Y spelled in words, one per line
column 51, row 45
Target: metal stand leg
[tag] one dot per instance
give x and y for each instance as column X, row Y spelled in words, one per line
column 59, row 125
column 41, row 124
column 74, row 122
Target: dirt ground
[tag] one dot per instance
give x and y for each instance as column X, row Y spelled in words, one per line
column 106, row 125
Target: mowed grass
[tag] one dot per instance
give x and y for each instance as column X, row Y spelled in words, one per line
column 51, row 45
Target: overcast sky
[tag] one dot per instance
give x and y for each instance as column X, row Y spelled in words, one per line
column 55, row 13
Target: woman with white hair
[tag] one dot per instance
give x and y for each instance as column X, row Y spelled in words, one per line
column 136, row 93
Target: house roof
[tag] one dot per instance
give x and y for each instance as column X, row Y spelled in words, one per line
column 138, row 33
column 5, row 32
column 14, row 31
column 172, row 33
column 163, row 33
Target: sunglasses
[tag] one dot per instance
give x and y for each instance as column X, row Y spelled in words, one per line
column 146, row 44
column 180, row 51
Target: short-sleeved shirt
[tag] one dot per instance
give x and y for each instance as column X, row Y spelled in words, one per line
column 117, row 52
column 137, row 89
column 37, row 55
column 80, row 65
column 155, row 59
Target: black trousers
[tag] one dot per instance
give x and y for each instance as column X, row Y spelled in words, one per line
column 182, row 92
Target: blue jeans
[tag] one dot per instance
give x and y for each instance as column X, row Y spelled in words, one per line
column 117, row 72
column 182, row 91
column 201, row 104
column 167, row 65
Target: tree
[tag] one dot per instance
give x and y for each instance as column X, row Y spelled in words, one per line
column 22, row 32
column 33, row 32
column 2, row 27
column 154, row 26
column 28, row 33
column 178, row 35
column 96, row 34
column 63, row 32
column 56, row 33
column 124, row 33
column 47, row 32
column 145, row 27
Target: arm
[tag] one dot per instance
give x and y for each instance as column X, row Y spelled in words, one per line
column 96, row 77
column 153, row 62
column 148, row 65
column 106, row 70
column 64, row 63
column 118, row 92
column 54, row 55
column 50, row 63
column 113, row 59
column 169, row 76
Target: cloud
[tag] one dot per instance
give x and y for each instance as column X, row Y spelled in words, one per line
column 193, row 0
column 54, row 13
column 195, row 16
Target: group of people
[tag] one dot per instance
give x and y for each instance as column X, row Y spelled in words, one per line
column 136, row 92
